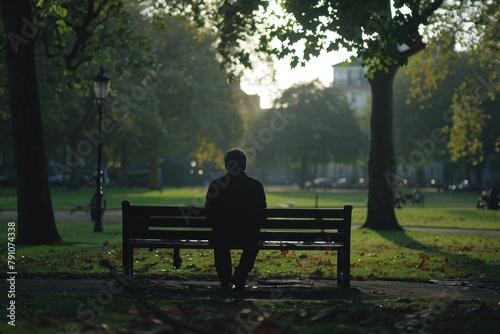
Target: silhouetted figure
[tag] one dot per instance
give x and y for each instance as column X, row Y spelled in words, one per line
column 398, row 196
column 493, row 198
column 235, row 190
column 418, row 197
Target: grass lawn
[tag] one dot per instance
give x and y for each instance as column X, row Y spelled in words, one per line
column 61, row 197
column 450, row 210
column 409, row 255
column 392, row 255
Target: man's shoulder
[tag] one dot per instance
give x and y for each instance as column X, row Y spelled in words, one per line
column 219, row 180
column 253, row 180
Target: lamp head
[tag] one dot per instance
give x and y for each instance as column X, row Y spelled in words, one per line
column 102, row 82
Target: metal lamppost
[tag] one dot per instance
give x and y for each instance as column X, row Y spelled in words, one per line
column 102, row 83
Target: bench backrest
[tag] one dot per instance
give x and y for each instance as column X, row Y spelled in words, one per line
column 276, row 224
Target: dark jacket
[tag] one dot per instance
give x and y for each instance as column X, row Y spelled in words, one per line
column 231, row 194
column 236, row 191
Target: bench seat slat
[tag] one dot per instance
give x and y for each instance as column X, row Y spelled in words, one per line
column 204, row 244
column 193, row 212
column 263, row 235
column 303, row 224
column 301, row 236
column 287, row 223
column 305, row 213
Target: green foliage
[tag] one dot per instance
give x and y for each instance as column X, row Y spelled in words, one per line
column 74, row 33
column 418, row 124
column 302, row 29
column 73, row 38
column 462, row 48
column 196, row 110
column 168, row 94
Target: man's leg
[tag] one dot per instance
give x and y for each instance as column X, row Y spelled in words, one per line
column 223, row 265
column 247, row 261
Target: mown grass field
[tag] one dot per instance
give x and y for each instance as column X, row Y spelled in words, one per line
column 450, row 210
column 61, row 197
column 408, row 255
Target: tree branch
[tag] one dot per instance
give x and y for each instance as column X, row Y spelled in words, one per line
column 83, row 33
column 419, row 45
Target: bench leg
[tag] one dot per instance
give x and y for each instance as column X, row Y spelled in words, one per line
column 340, row 268
column 128, row 261
column 344, row 269
column 177, row 259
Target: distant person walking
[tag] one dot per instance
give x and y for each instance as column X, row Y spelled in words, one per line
column 235, row 190
column 493, row 198
column 398, row 195
column 418, row 197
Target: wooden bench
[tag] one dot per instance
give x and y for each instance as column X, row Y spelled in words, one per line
column 415, row 201
column 89, row 207
column 80, row 207
column 281, row 229
column 484, row 202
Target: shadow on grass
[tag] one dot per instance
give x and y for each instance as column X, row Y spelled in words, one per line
column 471, row 268
column 400, row 238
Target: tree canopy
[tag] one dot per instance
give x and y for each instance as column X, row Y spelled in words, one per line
column 196, row 110
column 71, row 37
column 310, row 124
column 464, row 48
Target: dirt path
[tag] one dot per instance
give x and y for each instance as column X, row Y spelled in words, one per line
column 205, row 287
column 110, row 216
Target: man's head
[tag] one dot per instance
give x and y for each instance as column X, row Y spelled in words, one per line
column 235, row 161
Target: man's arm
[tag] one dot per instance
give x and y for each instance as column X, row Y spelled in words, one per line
column 211, row 196
column 263, row 201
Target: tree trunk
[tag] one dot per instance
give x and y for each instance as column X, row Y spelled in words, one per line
column 382, row 162
column 36, row 222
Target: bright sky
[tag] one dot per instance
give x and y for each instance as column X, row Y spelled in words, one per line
column 317, row 68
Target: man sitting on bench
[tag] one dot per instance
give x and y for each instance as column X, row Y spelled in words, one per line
column 235, row 190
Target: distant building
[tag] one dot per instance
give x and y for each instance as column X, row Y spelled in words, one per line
column 351, row 80
column 248, row 105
